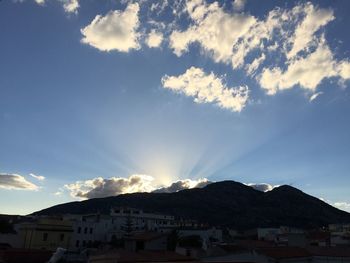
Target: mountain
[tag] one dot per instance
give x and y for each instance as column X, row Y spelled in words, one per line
column 225, row 203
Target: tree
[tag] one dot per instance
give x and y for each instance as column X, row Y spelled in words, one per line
column 129, row 225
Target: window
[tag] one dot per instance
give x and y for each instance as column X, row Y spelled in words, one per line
column 77, row 243
column 91, row 230
column 45, row 236
column 84, row 243
column 61, row 237
column 85, row 230
column 79, row 230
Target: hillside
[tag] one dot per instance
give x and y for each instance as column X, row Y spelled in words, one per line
column 226, row 203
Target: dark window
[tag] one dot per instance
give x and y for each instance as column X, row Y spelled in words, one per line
column 45, row 236
column 77, row 243
column 91, row 230
column 140, row 245
column 62, row 237
column 79, row 230
column 84, row 243
column 85, row 230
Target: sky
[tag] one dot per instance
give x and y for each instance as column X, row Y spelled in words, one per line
column 100, row 98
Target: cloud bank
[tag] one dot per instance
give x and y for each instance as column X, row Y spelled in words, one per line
column 101, row 187
column 16, row 182
column 207, row 88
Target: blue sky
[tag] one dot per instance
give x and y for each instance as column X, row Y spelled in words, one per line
column 106, row 97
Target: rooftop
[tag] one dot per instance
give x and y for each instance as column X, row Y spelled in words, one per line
column 141, row 256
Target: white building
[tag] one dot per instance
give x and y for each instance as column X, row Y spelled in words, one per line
column 139, row 221
column 89, row 230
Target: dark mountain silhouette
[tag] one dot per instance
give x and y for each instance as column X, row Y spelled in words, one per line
column 226, row 203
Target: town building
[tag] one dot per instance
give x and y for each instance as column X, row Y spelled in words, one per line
column 89, row 230
column 46, row 234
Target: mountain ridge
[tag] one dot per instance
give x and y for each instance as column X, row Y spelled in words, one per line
column 225, row 203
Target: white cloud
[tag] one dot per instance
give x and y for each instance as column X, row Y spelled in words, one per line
column 284, row 49
column 343, row 206
column 238, row 5
column 16, row 182
column 159, row 6
column 115, row 31
column 214, row 29
column 315, row 96
column 260, row 36
column 38, row 177
column 307, row 72
column 293, row 35
column 207, row 88
column 100, row 187
column 182, row 185
column 70, row 6
column 263, row 187
column 40, row 2
column 154, row 39
column 343, row 69
column 252, row 67
column 315, row 18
